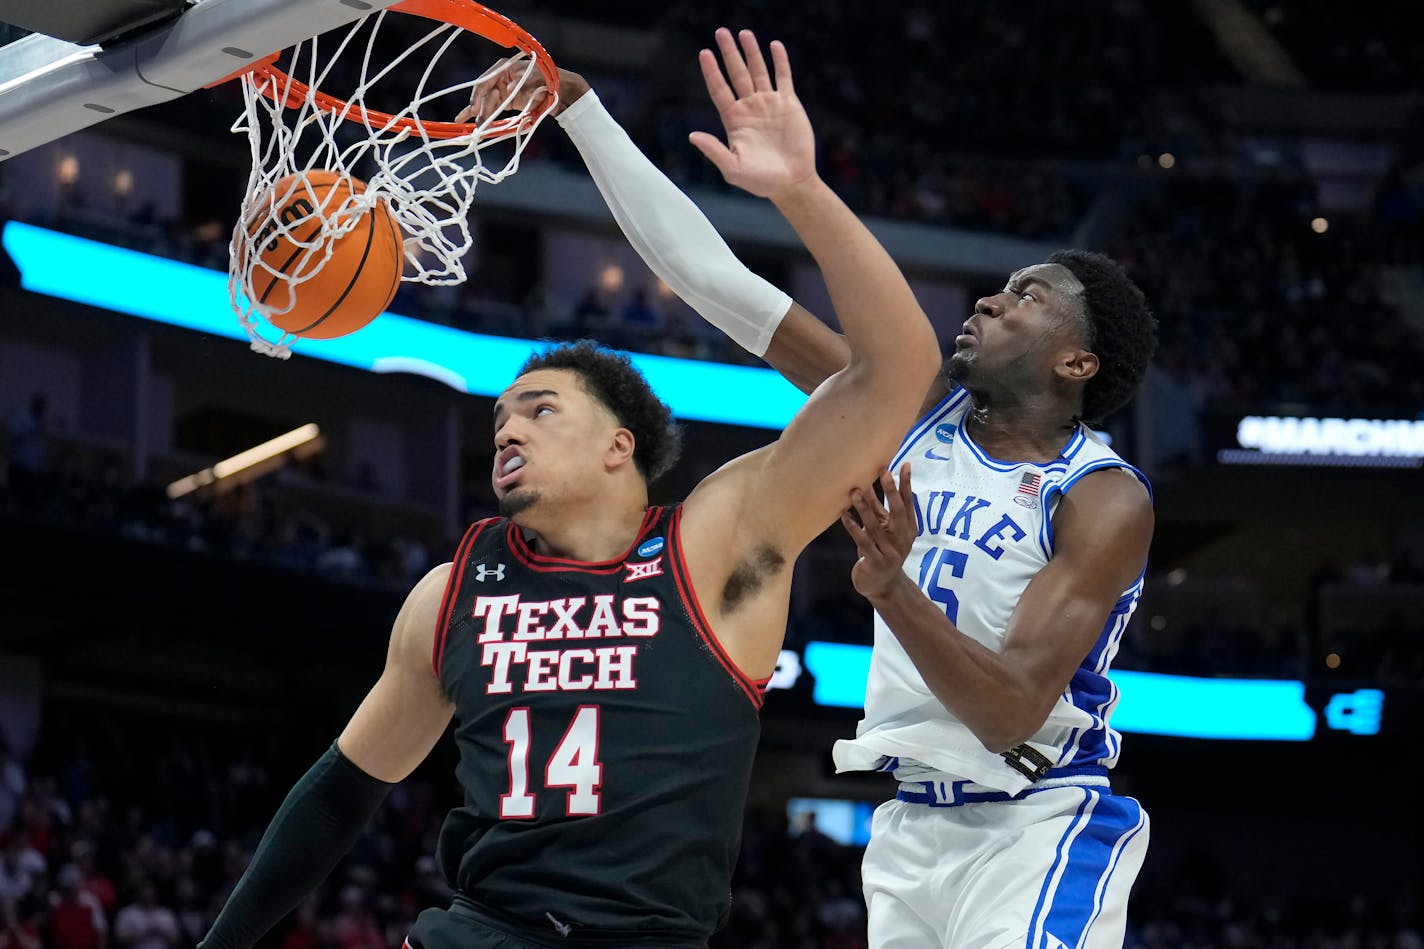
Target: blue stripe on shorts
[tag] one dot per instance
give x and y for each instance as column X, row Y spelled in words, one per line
column 1106, row 824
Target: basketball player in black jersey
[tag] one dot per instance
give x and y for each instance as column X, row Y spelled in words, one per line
column 603, row 659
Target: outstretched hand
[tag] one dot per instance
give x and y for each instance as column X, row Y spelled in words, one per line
column 505, row 87
column 883, row 536
column 770, row 148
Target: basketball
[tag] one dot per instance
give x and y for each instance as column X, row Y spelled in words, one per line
column 305, row 292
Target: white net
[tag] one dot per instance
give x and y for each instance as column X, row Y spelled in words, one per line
column 374, row 102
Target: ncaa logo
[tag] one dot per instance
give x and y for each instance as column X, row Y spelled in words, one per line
column 944, row 431
column 650, row 546
column 483, row 572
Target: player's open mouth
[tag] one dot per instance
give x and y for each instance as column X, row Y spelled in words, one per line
column 507, row 468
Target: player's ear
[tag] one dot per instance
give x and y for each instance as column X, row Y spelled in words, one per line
column 620, row 449
column 1077, row 365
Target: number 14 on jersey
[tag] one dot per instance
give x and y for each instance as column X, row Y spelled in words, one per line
column 573, row 765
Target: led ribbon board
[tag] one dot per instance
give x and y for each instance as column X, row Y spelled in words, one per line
column 1339, row 442
column 195, row 298
column 1153, row 703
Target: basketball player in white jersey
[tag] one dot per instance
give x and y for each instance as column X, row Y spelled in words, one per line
column 1003, row 575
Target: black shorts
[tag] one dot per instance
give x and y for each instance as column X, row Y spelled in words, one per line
column 441, row 929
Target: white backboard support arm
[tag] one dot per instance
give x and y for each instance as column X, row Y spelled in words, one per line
column 50, row 88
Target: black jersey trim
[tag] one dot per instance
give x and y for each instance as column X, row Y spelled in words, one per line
column 526, row 555
column 751, row 687
column 452, row 588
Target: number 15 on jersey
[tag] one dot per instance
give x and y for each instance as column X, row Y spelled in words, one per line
column 938, row 565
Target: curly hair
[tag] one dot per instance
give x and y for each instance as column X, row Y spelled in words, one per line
column 1122, row 332
column 612, row 379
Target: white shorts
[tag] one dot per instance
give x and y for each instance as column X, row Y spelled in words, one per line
column 1051, row 867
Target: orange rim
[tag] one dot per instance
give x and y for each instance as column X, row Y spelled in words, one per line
column 466, row 14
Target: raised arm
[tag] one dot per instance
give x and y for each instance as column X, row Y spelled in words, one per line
column 681, row 246
column 676, row 240
column 789, row 492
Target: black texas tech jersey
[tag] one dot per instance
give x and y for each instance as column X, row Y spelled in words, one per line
column 605, row 739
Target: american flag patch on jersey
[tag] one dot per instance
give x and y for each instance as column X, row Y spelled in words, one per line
column 1029, row 482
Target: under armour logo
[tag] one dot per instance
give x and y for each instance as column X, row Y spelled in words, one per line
column 641, row 571
column 483, row 573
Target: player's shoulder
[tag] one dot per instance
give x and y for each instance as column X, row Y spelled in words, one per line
column 1118, row 486
column 1103, row 529
column 419, row 615
column 433, row 583
column 1105, row 502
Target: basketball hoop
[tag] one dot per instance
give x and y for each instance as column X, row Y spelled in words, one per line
column 350, row 102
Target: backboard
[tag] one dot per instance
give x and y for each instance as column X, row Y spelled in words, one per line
column 94, row 21
column 51, row 87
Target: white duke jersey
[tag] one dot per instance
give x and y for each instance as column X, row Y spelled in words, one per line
column 985, row 528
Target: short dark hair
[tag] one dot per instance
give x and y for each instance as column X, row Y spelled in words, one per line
column 612, row 379
column 1122, row 332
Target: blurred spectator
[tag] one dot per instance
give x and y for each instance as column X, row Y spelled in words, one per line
column 193, row 920
column 144, row 924
column 20, row 923
column 76, row 920
column 354, row 926
column 96, row 882
column 639, row 317
column 592, row 317
column 305, row 930
column 21, row 865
